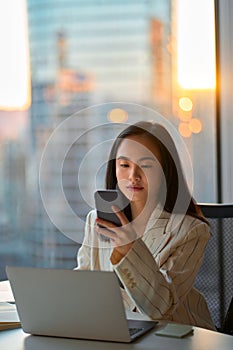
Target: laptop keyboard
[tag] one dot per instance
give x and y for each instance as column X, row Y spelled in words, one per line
column 133, row 331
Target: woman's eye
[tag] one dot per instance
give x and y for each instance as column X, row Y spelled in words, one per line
column 124, row 165
column 146, row 166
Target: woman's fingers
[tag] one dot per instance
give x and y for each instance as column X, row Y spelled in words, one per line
column 119, row 235
column 105, row 231
column 107, row 224
column 120, row 214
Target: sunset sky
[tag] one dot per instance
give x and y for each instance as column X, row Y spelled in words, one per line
column 195, row 57
column 195, row 44
column 14, row 58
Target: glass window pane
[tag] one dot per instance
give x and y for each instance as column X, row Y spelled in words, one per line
column 85, row 58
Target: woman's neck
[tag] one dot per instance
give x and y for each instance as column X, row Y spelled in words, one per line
column 141, row 213
column 136, row 209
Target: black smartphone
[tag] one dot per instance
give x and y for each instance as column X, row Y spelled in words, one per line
column 105, row 199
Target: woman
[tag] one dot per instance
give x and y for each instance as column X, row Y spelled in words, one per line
column 158, row 254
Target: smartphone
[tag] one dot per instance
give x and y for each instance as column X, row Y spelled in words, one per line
column 105, row 199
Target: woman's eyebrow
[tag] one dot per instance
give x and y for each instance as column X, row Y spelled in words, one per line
column 147, row 158
column 140, row 160
column 123, row 157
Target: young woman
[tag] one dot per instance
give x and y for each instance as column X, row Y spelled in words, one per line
column 158, row 253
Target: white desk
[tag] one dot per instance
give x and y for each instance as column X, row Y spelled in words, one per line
column 201, row 339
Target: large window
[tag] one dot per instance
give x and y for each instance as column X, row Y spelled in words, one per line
column 87, row 65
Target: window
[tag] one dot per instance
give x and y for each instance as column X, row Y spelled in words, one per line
column 101, row 62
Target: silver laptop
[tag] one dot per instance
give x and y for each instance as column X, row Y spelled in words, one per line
column 72, row 304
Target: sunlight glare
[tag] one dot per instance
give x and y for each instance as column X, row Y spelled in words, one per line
column 15, row 92
column 196, row 44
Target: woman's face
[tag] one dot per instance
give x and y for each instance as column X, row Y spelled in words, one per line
column 138, row 170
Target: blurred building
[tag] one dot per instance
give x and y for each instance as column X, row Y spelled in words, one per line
column 83, row 53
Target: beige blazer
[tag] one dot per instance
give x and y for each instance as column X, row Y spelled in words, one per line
column 159, row 271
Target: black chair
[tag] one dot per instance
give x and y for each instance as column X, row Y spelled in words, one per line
column 215, row 278
column 228, row 322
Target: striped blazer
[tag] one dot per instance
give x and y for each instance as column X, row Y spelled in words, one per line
column 159, row 271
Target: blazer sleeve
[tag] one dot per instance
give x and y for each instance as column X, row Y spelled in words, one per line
column 158, row 282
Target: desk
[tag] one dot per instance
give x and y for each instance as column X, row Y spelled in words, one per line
column 201, row 339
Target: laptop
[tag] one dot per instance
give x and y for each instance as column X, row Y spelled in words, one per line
column 73, row 304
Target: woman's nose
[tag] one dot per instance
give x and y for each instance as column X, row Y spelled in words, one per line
column 135, row 173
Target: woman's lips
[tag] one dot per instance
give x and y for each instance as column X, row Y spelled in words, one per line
column 135, row 188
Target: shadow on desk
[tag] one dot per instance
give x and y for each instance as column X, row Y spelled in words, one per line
column 33, row 342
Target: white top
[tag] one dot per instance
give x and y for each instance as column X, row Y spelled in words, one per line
column 159, row 271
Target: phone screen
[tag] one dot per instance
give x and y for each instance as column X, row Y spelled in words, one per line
column 105, row 199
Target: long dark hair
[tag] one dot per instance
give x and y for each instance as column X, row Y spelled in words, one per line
column 175, row 181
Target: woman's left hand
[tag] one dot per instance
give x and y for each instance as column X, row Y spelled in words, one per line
column 121, row 237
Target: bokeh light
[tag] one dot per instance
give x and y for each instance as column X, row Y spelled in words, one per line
column 185, row 116
column 118, row 115
column 186, row 104
column 184, row 130
column 195, row 125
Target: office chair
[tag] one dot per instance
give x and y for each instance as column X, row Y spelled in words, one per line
column 215, row 278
